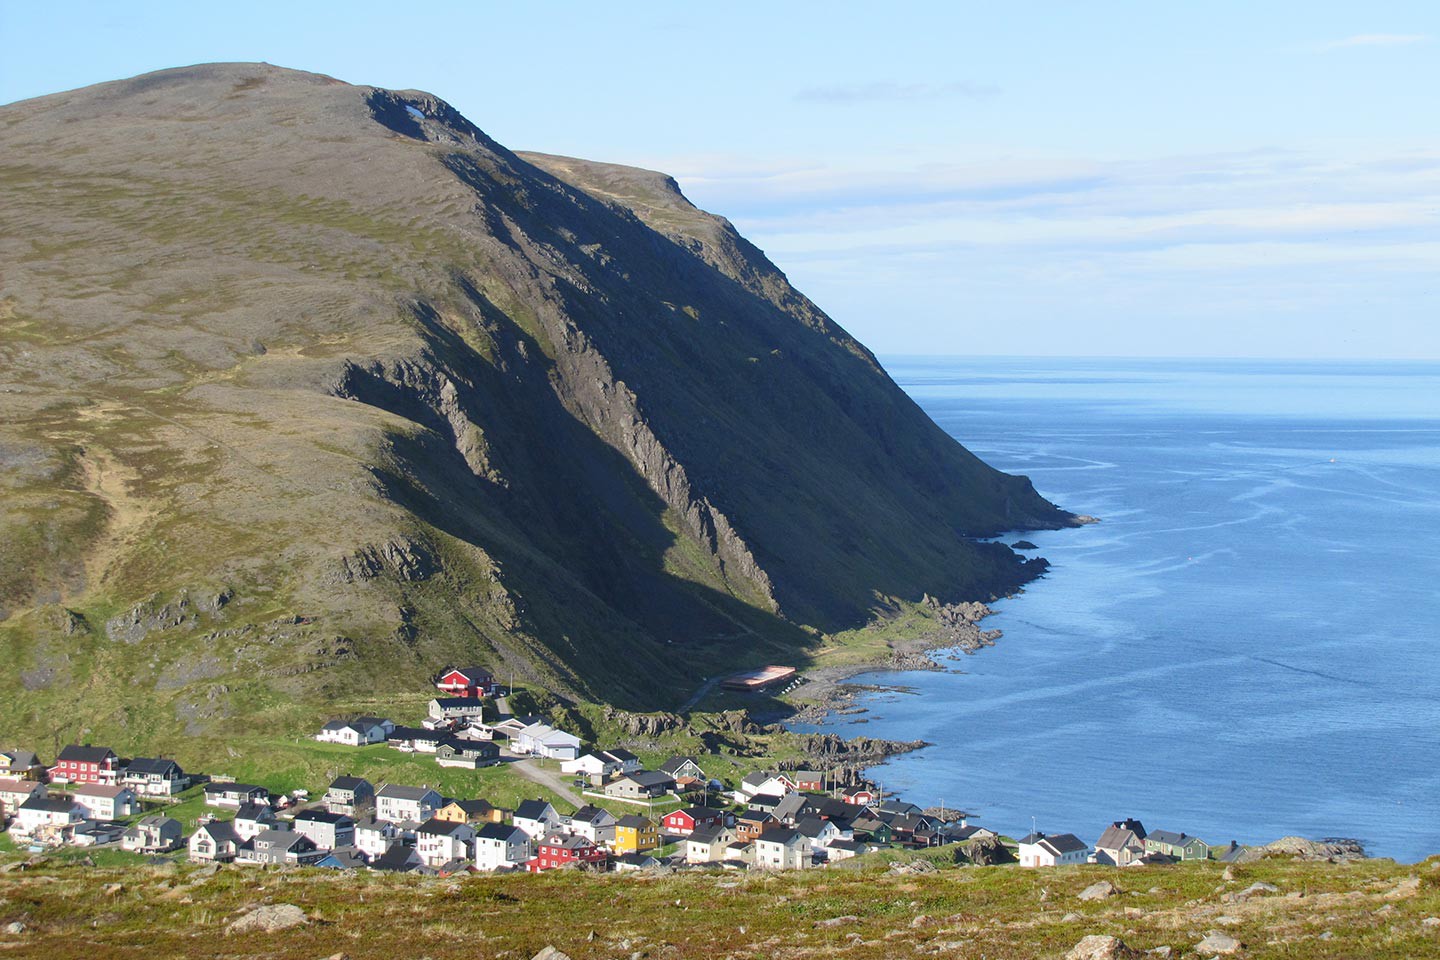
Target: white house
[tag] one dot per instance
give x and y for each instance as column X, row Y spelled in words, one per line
column 755, row 784
column 456, row 708
column 590, row 765
column 499, row 846
column 234, row 795
column 47, row 818
column 782, row 849
column 1121, row 844
column 215, row 841
column 154, row 777
column 398, row 803
column 823, row 833
column 357, row 732
column 102, row 802
column 15, row 792
column 707, row 844
column 440, row 841
column 1050, row 850
column 373, row 837
column 593, row 823
column 251, row 819
column 543, row 740
column 537, row 818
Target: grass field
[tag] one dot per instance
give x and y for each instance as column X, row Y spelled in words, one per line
column 1372, row 909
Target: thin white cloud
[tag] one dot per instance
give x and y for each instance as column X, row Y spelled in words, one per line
column 1378, row 40
column 889, row 91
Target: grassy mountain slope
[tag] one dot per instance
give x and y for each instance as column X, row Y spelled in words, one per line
column 308, row 388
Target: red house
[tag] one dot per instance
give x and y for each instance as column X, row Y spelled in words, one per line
column 561, row 850
column 466, row 682
column 78, row 764
column 860, row 798
column 684, row 822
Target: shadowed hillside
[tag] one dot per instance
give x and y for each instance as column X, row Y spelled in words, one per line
column 308, row 388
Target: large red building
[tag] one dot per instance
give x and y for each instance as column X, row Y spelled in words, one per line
column 466, row 682
column 78, row 764
column 562, row 850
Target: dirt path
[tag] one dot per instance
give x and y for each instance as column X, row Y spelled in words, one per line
column 549, row 779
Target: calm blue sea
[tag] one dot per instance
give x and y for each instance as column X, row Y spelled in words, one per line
column 1247, row 646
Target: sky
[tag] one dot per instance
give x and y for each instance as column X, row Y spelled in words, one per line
column 1215, row 179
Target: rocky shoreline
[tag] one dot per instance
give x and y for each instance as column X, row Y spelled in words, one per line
column 957, row 627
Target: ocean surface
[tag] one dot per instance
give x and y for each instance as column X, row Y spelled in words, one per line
column 1248, row 645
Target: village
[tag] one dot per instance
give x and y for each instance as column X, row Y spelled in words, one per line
column 629, row 819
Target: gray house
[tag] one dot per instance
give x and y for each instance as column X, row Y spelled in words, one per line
column 348, row 794
column 152, row 835
column 282, row 846
column 455, row 752
column 641, row 785
column 325, row 829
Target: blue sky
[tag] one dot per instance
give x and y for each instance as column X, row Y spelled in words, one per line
column 1153, row 179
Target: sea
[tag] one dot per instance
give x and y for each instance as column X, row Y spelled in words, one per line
column 1245, row 647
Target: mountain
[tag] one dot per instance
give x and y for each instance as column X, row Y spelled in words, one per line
column 310, row 388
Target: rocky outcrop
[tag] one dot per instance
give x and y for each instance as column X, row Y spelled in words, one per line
column 152, row 615
column 403, row 558
column 1333, row 850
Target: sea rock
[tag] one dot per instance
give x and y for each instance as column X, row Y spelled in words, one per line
column 1218, row 942
column 1333, row 850
column 1023, row 545
column 1101, row 947
column 270, row 918
column 1099, row 891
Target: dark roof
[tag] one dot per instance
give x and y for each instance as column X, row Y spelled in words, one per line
column 219, row 829
column 450, row 702
column 769, row 800
column 782, row 835
column 1066, row 843
column 473, row 674
column 567, row 841
column 253, row 811
column 637, row 860
column 1170, row 837
column 81, row 754
column 649, row 778
column 700, row 813
column 472, row 807
column 532, row 809
column 707, row 834
column 350, row 783
column 634, row 820
column 811, row 826
column 499, row 831
column 675, row 763
column 156, row 765
column 590, row 814
column 224, row 787
column 22, row 758
column 49, row 804
column 415, row 733
column 624, row 756
column 444, row 828
column 399, row 859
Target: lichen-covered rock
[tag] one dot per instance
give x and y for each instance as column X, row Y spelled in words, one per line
column 1101, row 947
column 270, row 918
column 1102, row 890
column 1218, row 941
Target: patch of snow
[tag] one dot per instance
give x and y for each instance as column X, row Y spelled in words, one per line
column 414, row 112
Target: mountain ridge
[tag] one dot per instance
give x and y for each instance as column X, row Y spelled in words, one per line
column 310, row 387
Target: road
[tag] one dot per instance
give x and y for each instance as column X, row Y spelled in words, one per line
column 700, row 694
column 531, row 770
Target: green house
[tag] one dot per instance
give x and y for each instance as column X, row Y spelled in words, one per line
column 1181, row 846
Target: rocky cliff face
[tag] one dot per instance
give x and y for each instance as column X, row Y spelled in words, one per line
column 333, row 354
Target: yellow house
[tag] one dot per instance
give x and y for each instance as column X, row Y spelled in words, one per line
column 470, row 811
column 636, row 834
